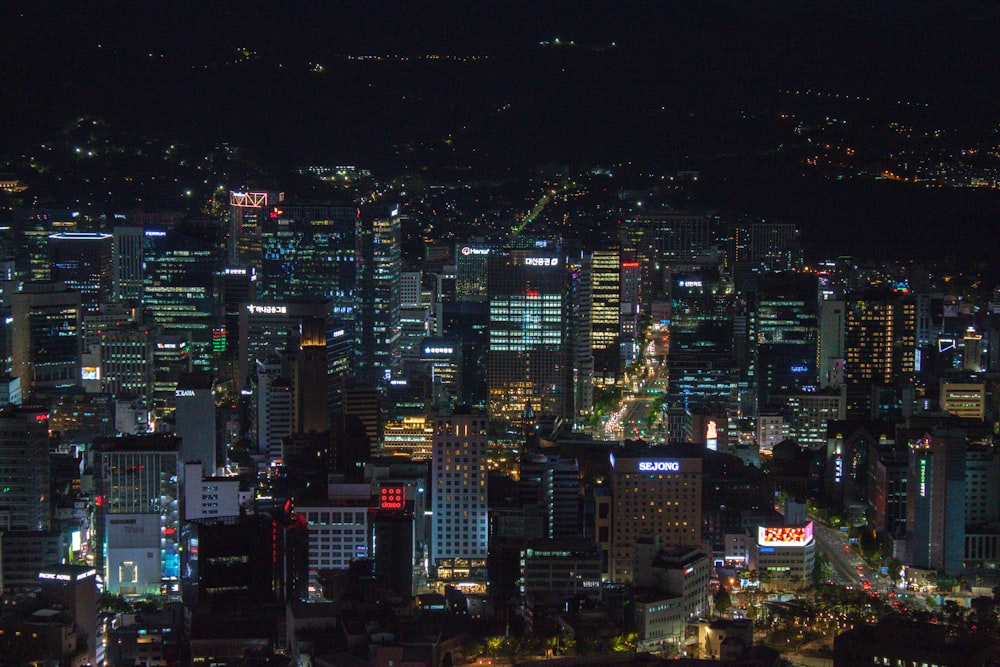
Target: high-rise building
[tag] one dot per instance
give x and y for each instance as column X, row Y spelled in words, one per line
column 126, row 264
column 786, row 327
column 308, row 251
column 46, row 341
column 377, row 253
column 830, row 350
column 605, row 315
column 247, row 212
column 655, row 492
column 195, row 421
column 459, row 529
column 275, row 401
column 178, row 288
column 24, row 469
column 137, row 513
column 550, row 487
column 82, row 260
column 964, row 399
column 528, row 355
column 879, row 347
column 471, row 271
column 936, row 501
column 126, row 368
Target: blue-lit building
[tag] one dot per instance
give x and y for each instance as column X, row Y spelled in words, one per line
column 178, row 288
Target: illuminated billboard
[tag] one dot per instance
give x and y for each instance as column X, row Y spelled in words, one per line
column 392, row 497
column 784, row 536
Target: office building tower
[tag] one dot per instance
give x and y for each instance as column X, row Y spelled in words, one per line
column 774, row 246
column 963, row 399
column 244, row 561
column 24, row 469
column 194, row 419
column 887, row 492
column 579, row 343
column 879, row 348
column 126, row 264
column 786, row 328
column 830, row 352
column 982, row 493
column 528, row 354
column 459, row 539
column 808, row 414
column 631, row 310
column 275, row 401
column 178, row 288
column 247, row 212
column 361, row 409
column 308, row 251
column 27, row 240
column 126, row 366
column 441, row 360
column 377, row 326
column 137, row 513
column 936, row 501
column 310, row 369
column 171, row 361
column 74, row 588
column 338, row 527
column 655, row 492
column 276, row 327
column 46, row 337
column 235, row 286
column 550, row 488
column 339, row 363
column 972, row 351
column 658, row 241
column 392, row 539
column 82, row 260
column 471, row 271
column 605, row 315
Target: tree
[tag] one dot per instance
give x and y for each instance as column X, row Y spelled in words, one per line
column 494, row 644
column 722, row 600
column 895, row 569
column 116, row 604
column 624, row 643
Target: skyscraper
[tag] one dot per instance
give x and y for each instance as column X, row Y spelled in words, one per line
column 82, row 260
column 656, row 492
column 879, row 347
column 605, row 315
column 936, row 501
column 46, row 345
column 377, row 253
column 460, row 510
column 247, row 211
column 126, row 264
column 24, row 469
column 786, row 326
column 527, row 359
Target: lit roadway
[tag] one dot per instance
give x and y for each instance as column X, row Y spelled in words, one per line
column 540, row 205
column 631, row 418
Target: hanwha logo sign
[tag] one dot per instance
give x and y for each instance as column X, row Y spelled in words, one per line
column 475, row 251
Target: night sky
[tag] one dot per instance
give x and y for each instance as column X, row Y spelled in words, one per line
column 670, row 85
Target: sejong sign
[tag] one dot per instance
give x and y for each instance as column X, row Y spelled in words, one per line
column 659, row 466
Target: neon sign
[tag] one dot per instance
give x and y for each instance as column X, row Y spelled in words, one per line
column 659, row 466
column 267, row 310
column 475, row 251
column 541, row 261
column 183, row 392
column 392, row 498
